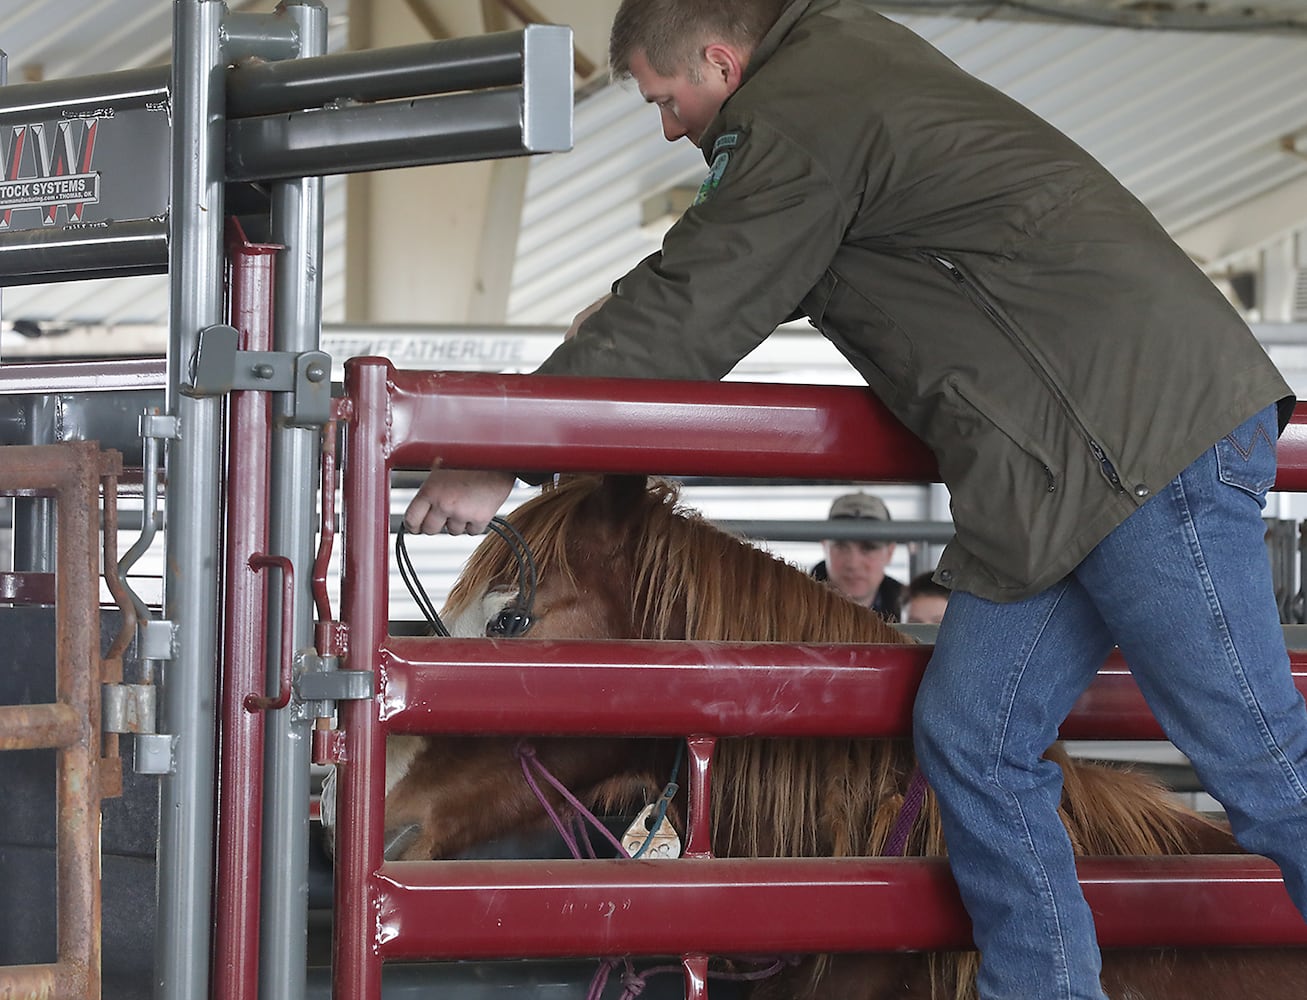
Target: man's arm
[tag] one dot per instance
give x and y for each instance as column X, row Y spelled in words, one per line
column 462, row 501
column 458, row 501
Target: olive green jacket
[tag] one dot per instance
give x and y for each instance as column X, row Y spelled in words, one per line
column 1004, row 296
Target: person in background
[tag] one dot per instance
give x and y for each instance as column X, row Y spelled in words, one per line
column 924, row 600
column 856, row 567
column 1104, row 420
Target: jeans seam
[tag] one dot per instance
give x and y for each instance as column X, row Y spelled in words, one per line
column 1269, row 743
column 1063, row 970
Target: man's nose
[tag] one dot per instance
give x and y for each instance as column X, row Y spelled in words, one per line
column 672, row 127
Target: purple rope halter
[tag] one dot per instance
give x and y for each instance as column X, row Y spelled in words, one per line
column 913, row 799
column 530, row 763
column 634, row 983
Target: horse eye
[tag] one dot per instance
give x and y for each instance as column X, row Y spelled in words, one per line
column 509, row 623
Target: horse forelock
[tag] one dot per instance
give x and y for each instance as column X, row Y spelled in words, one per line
column 688, row 579
column 546, row 523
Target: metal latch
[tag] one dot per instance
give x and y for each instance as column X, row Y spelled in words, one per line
column 321, row 680
column 219, row 368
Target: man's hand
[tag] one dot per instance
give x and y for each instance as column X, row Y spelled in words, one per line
column 458, row 501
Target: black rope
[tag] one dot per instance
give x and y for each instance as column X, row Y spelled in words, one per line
column 410, row 577
column 526, row 564
column 526, row 575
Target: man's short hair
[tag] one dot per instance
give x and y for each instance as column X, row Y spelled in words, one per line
column 924, row 585
column 672, row 32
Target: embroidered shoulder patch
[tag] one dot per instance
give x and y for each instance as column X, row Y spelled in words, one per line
column 721, row 156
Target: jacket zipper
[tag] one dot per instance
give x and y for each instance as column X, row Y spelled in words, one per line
column 1109, row 470
column 971, row 292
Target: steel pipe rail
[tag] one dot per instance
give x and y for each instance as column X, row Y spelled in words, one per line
column 82, row 376
column 495, row 60
column 39, row 727
column 113, row 250
column 857, row 528
column 666, row 688
column 85, row 92
column 272, row 36
column 444, row 129
column 552, row 909
column 514, row 96
column 567, row 424
column 441, row 67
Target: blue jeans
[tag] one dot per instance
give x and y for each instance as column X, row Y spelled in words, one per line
column 1183, row 588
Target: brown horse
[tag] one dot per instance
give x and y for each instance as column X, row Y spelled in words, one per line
column 619, row 559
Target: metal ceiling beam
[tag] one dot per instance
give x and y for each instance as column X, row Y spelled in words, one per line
column 1249, row 225
column 495, row 14
column 429, row 19
column 1182, row 15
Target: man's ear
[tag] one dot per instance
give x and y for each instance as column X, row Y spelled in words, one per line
column 727, row 63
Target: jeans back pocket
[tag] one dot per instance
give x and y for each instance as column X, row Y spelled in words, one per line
column 1245, row 458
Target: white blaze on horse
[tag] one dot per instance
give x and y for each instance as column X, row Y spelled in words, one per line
column 619, row 559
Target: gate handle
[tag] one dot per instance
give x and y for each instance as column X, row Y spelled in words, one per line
column 259, row 702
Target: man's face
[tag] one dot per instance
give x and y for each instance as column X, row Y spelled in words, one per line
column 856, row 569
column 686, row 102
column 925, row 609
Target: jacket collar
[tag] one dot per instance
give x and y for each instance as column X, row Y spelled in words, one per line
column 773, row 39
column 764, row 50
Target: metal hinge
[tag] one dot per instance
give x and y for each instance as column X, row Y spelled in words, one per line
column 128, row 708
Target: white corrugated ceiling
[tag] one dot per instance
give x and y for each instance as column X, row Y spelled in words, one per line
column 1201, row 125
column 1191, row 122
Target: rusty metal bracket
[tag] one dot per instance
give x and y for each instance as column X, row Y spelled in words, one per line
column 220, row 367
column 71, row 724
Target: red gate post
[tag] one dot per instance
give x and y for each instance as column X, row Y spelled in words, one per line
column 238, row 876
column 360, row 784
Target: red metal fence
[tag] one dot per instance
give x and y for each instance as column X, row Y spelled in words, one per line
column 700, row 905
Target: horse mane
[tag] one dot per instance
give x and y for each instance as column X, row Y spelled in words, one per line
column 687, row 579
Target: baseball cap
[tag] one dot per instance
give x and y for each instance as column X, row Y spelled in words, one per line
column 859, row 505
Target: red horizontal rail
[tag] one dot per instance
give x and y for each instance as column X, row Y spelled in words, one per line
column 566, row 424
column 470, row 909
column 667, row 688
